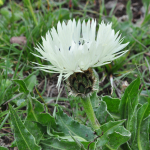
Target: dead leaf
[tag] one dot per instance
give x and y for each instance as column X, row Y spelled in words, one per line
column 148, row 54
column 124, row 85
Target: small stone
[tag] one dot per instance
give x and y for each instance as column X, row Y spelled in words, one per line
column 21, row 40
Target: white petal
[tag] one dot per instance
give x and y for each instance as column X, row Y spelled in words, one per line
column 74, row 47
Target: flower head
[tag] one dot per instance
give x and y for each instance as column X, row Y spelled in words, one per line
column 75, row 47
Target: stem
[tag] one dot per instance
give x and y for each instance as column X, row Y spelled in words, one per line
column 32, row 12
column 90, row 113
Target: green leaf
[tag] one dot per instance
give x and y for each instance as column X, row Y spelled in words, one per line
column 128, row 107
column 31, row 116
column 37, row 106
column 144, row 134
column 22, row 86
column 66, row 124
column 147, row 113
column 133, row 126
column 3, row 122
column 119, row 137
column 129, row 100
column 36, row 129
column 142, row 137
column 105, row 130
column 23, row 137
column 146, row 4
column 84, row 146
column 112, row 103
column 35, row 109
column 94, row 99
column 71, row 138
column 19, row 102
column 30, row 82
column 62, row 13
column 102, row 114
column 45, row 119
column 3, row 148
column 27, row 84
column 57, row 144
column 7, row 111
column 13, row 144
column 78, row 142
column 5, row 12
column 129, row 11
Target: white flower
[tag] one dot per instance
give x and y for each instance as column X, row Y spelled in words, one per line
column 75, row 47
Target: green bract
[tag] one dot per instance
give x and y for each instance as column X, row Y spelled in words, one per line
column 83, row 84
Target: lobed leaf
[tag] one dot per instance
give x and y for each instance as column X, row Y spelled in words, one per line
column 107, row 129
column 119, row 137
column 66, row 124
column 102, row 114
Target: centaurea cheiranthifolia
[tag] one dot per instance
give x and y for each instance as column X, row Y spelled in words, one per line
column 74, row 48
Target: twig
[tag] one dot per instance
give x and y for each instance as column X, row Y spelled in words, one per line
column 49, row 89
column 111, row 82
column 94, row 140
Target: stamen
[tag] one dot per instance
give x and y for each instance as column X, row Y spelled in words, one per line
column 79, row 42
